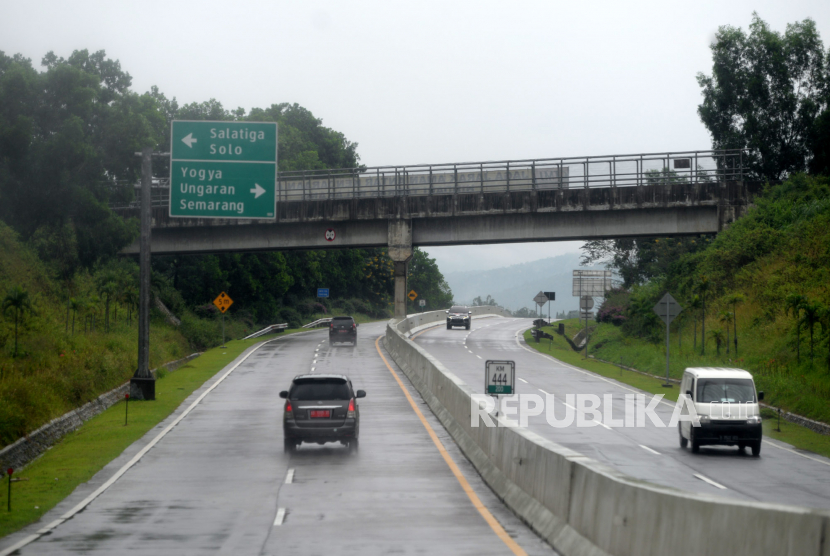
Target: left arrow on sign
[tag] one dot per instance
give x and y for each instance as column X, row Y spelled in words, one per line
column 257, row 190
column 189, row 140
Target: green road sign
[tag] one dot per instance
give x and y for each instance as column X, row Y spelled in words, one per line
column 223, row 169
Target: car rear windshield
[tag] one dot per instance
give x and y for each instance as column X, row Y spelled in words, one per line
column 458, row 310
column 343, row 318
column 320, row 389
column 725, row 390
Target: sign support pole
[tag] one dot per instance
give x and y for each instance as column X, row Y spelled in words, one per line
column 223, row 330
column 142, row 385
column 668, row 322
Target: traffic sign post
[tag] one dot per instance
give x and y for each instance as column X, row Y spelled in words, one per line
column 223, row 302
column 223, row 169
column 499, row 379
column 540, row 300
column 667, row 309
column 322, row 292
column 422, row 303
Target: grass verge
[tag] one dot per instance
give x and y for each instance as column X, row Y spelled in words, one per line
column 791, row 433
column 84, row 452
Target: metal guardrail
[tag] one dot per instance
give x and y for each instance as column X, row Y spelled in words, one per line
column 543, row 174
column 268, row 329
column 318, row 322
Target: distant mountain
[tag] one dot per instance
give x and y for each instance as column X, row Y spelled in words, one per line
column 515, row 286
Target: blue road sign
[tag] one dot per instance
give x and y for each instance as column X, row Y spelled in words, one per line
column 322, row 292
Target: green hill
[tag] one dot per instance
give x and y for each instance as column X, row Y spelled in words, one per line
column 771, row 269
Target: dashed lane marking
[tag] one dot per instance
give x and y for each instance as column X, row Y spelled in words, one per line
column 647, row 449
column 280, row 517
column 710, row 481
column 289, row 477
column 523, row 380
column 477, row 503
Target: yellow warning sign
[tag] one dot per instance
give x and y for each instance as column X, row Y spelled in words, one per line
column 223, row 302
column 412, row 295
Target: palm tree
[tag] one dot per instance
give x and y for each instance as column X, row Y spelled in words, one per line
column 725, row 317
column 718, row 336
column 131, row 301
column 794, row 303
column 812, row 313
column 694, row 306
column 18, row 302
column 703, row 287
column 735, row 299
column 78, row 306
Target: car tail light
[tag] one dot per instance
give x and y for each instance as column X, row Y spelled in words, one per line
column 354, row 326
column 288, row 408
column 350, row 414
column 331, row 325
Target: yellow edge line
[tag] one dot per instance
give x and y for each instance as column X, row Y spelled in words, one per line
column 477, row 504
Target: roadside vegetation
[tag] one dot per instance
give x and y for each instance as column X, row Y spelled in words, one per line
column 756, row 296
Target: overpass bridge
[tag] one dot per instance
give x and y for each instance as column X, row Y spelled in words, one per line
column 399, row 207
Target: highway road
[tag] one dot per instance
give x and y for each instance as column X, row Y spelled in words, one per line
column 781, row 474
column 219, row 482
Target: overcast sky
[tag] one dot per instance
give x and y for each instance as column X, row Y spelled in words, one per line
column 426, row 82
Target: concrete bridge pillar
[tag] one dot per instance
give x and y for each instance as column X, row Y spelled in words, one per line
column 400, row 251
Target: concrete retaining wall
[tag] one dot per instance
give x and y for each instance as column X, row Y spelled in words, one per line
column 24, row 450
column 586, row 508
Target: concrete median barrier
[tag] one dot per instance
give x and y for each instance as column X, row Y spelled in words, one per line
column 585, row 508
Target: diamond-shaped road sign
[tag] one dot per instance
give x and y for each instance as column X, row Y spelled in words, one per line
column 540, row 299
column 412, row 295
column 223, row 302
column 667, row 308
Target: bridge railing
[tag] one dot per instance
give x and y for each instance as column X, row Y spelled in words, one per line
column 514, row 175
column 501, row 176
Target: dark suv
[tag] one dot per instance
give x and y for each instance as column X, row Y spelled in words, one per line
column 458, row 315
column 321, row 408
column 343, row 329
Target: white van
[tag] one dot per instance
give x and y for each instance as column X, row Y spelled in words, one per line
column 726, row 406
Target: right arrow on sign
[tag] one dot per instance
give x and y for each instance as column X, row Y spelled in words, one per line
column 257, row 190
column 189, row 140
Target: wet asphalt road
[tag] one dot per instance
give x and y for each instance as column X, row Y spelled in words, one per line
column 781, row 474
column 217, row 482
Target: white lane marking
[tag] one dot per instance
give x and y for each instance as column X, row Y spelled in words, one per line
column 469, row 350
column 523, row 380
column 312, row 369
column 636, row 391
column 289, row 477
column 542, row 391
column 646, row 448
column 710, row 481
column 314, row 361
column 602, row 424
column 280, row 517
column 477, row 356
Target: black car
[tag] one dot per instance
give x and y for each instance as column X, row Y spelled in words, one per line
column 320, row 409
column 458, row 315
column 343, row 329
